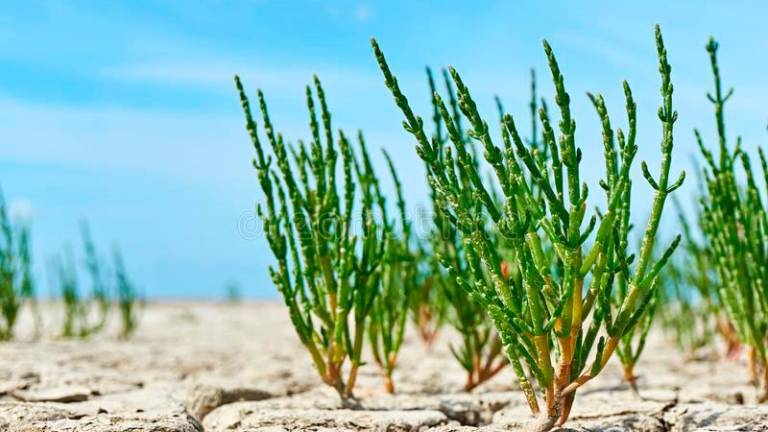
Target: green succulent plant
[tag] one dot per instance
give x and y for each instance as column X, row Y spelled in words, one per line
column 328, row 275
column 735, row 225
column 549, row 309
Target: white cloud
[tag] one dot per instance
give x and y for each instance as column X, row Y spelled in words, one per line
column 191, row 145
column 20, row 209
column 218, row 74
column 363, row 13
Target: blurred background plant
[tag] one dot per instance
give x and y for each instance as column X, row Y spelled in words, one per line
column 400, row 274
column 735, row 225
column 84, row 315
column 87, row 310
column 689, row 299
column 129, row 302
column 233, row 293
column 17, row 287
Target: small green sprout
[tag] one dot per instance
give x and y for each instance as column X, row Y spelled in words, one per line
column 128, row 300
column 328, row 274
column 99, row 289
column 233, row 293
column 735, row 224
column 63, row 274
column 551, row 308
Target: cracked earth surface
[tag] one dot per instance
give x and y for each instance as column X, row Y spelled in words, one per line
column 222, row 367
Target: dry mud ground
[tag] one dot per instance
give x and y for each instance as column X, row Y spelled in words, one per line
column 217, row 367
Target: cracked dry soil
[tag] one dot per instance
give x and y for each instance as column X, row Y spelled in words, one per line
column 220, row 367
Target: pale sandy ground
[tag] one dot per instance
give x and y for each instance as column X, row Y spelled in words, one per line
column 220, row 367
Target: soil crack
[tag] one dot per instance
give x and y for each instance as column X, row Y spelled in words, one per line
column 660, row 415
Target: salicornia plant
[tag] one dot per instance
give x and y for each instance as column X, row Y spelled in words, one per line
column 63, row 274
column 327, row 272
column 631, row 345
column 16, row 284
column 99, row 298
column 85, row 316
column 736, row 228
column 480, row 349
column 550, row 315
column 690, row 300
column 428, row 306
column 632, row 342
column 683, row 315
column 399, row 274
column 127, row 297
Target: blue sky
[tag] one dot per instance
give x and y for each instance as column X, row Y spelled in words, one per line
column 124, row 113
